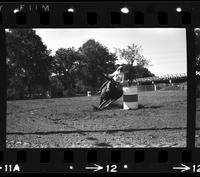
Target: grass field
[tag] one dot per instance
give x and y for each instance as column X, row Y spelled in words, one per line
column 160, row 121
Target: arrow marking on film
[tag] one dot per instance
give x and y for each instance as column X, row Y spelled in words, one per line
column 95, row 168
column 182, row 168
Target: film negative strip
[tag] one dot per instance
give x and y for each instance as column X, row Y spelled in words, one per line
column 100, row 87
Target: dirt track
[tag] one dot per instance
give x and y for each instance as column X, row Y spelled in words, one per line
column 73, row 122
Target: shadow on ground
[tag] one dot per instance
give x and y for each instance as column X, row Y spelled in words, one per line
column 118, row 106
column 103, row 144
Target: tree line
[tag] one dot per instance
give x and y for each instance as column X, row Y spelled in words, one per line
column 33, row 72
column 197, row 57
column 197, row 50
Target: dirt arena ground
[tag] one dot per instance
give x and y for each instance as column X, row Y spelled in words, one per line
column 197, row 137
column 73, row 122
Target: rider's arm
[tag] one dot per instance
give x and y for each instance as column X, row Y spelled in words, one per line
column 112, row 75
column 122, row 78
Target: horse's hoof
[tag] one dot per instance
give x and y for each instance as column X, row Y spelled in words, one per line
column 95, row 108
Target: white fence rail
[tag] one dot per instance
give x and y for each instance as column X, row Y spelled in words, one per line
column 160, row 78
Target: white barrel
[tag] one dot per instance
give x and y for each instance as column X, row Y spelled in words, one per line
column 88, row 93
column 130, row 98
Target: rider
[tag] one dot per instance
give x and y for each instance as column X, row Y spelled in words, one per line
column 117, row 76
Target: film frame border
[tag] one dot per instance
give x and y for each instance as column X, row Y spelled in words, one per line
column 159, row 158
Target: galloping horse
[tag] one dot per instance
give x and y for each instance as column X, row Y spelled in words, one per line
column 107, row 97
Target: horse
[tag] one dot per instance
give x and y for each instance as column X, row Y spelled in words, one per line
column 108, row 97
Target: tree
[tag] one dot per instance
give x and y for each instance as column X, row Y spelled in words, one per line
column 133, row 55
column 98, row 60
column 197, row 57
column 66, row 63
column 56, row 87
column 27, row 59
column 197, row 49
column 133, row 72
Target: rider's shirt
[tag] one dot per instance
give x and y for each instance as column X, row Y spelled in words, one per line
column 117, row 76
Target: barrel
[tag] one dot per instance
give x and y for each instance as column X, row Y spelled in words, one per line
column 130, row 98
column 88, row 93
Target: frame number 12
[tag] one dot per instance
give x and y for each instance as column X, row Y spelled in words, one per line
column 111, row 168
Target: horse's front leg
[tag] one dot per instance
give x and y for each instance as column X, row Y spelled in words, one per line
column 103, row 101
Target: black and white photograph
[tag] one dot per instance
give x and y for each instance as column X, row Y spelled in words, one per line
column 197, row 57
column 98, row 87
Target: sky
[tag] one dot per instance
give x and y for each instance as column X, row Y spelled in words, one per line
column 164, row 47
